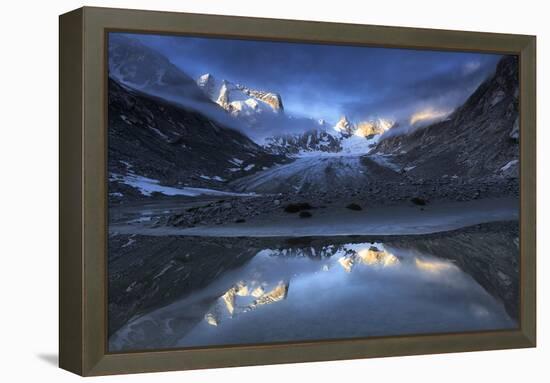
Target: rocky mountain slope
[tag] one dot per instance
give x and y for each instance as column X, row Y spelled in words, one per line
column 161, row 141
column 134, row 64
column 315, row 140
column 478, row 140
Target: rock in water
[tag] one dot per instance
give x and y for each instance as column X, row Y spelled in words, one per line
column 305, row 214
column 354, row 206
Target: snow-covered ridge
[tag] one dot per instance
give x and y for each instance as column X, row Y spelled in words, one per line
column 345, row 127
column 315, row 141
column 344, row 138
column 238, row 99
column 367, row 129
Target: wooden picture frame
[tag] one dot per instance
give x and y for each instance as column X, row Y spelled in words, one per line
column 83, row 193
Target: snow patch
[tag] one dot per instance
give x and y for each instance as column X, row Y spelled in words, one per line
column 236, row 161
column 214, row 178
column 164, row 270
column 358, row 145
column 125, row 119
column 148, row 186
column 131, row 241
column 164, row 136
column 509, row 165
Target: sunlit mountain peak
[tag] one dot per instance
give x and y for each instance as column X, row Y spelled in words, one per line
column 239, row 99
column 373, row 127
column 345, row 126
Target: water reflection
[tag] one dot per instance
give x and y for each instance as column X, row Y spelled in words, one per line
column 372, row 256
column 245, row 297
column 324, row 291
column 432, row 266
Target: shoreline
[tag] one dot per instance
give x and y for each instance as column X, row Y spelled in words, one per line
column 342, row 222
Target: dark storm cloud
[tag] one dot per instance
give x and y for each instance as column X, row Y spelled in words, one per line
column 324, row 81
column 443, row 90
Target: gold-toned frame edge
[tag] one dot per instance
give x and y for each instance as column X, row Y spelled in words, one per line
column 83, row 215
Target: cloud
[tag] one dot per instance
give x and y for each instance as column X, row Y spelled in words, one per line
column 471, row 66
column 436, row 91
column 327, row 81
column 428, row 115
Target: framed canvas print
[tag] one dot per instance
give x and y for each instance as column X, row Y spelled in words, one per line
column 241, row 191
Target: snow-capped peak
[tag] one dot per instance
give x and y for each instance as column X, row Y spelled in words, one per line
column 207, row 83
column 238, row 99
column 344, row 138
column 373, row 127
column 368, row 128
column 205, row 79
column 345, row 127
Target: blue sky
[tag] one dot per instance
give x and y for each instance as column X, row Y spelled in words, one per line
column 328, row 81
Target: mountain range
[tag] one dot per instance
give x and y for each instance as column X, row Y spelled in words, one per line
column 162, row 141
column 257, row 113
column 344, row 137
column 259, row 109
column 177, row 131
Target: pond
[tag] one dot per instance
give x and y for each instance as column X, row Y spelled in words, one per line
column 329, row 290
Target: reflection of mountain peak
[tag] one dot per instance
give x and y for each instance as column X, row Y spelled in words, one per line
column 372, row 256
column 278, row 293
column 252, row 294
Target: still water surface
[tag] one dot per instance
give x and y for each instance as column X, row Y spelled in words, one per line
column 336, row 291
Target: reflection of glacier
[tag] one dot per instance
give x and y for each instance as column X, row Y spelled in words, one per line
column 247, row 296
column 244, row 297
